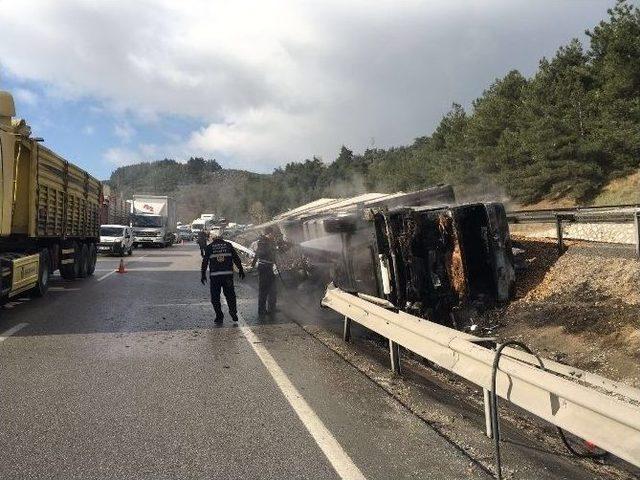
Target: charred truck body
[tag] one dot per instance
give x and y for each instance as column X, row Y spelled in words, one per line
column 49, row 218
column 414, row 251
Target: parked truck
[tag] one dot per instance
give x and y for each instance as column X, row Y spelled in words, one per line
column 153, row 218
column 115, row 210
column 50, row 212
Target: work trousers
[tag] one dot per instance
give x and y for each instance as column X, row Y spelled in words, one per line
column 267, row 291
column 202, row 247
column 224, row 283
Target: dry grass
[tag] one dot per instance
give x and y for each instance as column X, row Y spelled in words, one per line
column 620, row 191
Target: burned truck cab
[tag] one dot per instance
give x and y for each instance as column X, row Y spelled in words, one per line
column 443, row 264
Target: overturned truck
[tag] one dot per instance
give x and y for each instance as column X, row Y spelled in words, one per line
column 416, row 252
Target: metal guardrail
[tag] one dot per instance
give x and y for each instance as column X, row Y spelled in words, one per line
column 609, row 213
column 605, row 214
column 594, row 408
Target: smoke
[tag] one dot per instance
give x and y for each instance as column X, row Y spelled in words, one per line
column 353, row 186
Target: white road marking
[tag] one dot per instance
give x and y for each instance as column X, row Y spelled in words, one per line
column 339, row 459
column 12, row 330
column 197, row 304
column 15, row 302
column 99, row 279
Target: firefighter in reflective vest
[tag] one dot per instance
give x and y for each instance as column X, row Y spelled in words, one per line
column 265, row 258
column 220, row 256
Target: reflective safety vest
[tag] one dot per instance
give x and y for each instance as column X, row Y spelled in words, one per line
column 220, row 254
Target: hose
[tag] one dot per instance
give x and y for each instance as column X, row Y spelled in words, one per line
column 494, row 400
column 494, row 411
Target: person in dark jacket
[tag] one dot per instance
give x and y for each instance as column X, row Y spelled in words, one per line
column 202, row 240
column 265, row 258
column 220, row 256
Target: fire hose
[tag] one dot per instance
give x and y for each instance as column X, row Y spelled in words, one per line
column 494, row 411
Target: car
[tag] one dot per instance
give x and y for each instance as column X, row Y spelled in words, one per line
column 185, row 233
column 116, row 239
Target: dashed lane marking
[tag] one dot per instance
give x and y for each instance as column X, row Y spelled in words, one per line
column 12, row 330
column 339, row 459
column 99, row 279
column 14, row 303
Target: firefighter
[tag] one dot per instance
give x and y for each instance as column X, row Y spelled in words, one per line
column 220, row 256
column 265, row 258
column 202, row 240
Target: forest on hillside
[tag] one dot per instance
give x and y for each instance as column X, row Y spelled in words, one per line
column 563, row 133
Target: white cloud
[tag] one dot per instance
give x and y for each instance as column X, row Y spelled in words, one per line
column 278, row 80
column 23, row 95
column 124, row 131
column 120, row 157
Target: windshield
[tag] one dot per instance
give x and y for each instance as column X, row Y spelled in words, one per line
column 197, row 226
column 147, row 221
column 111, row 232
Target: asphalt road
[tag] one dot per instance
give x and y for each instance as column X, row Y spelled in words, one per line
column 126, row 376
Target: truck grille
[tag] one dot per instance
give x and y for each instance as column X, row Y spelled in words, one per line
column 145, row 234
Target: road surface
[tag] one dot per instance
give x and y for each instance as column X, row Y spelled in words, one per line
column 126, row 376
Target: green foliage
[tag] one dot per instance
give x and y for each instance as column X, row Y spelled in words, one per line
column 567, row 131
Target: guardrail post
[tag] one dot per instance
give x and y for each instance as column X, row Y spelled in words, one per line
column 487, row 413
column 636, row 220
column 346, row 331
column 559, row 234
column 394, row 355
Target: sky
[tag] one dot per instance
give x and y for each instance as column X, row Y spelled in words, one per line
column 258, row 84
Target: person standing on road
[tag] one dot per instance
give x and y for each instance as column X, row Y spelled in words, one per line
column 202, row 240
column 220, row 256
column 265, row 258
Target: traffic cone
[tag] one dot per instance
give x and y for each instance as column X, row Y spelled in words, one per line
column 121, row 268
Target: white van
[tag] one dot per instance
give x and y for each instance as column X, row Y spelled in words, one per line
column 116, row 239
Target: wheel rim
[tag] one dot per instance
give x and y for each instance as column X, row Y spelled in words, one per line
column 45, row 277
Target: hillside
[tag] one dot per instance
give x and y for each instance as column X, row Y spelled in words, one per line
column 199, row 186
column 625, row 190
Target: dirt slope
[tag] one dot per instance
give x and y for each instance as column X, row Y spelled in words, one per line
column 582, row 308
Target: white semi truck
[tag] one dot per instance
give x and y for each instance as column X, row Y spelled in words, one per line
column 153, row 218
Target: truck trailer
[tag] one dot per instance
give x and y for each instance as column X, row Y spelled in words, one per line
column 50, row 214
column 153, row 218
column 444, row 264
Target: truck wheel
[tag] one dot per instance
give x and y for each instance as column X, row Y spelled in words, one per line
column 83, row 269
column 71, row 271
column 93, row 258
column 43, row 274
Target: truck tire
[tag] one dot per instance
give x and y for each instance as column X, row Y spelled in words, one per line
column 71, row 271
column 43, row 274
column 93, row 258
column 83, row 269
